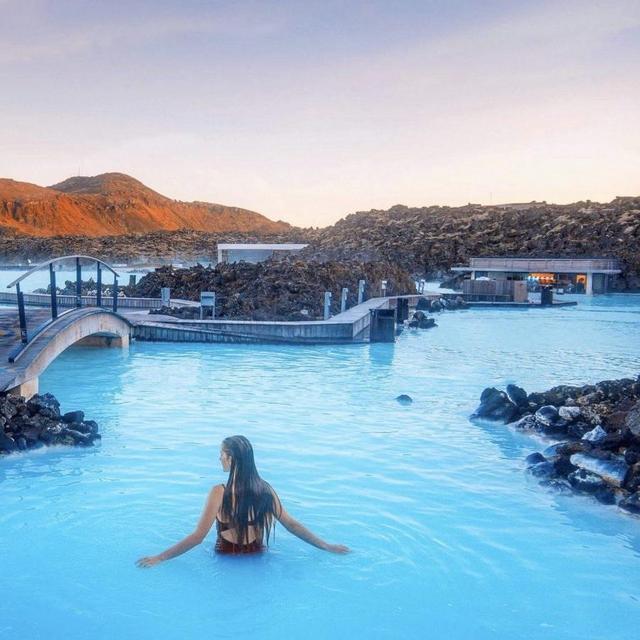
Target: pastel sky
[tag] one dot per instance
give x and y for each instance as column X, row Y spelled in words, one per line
column 307, row 111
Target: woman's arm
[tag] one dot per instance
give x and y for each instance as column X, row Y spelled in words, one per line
column 211, row 508
column 300, row 531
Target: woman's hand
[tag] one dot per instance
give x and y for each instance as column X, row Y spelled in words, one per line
column 148, row 562
column 337, row 548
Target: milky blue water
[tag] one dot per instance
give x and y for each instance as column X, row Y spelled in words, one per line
column 41, row 279
column 450, row 537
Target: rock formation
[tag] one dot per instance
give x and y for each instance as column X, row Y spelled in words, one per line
column 37, row 422
column 430, row 240
column 279, row 289
column 596, row 429
column 160, row 247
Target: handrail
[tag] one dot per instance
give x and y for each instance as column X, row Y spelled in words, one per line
column 24, row 337
column 48, row 262
column 18, row 352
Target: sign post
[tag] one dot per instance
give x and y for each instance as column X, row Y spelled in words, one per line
column 207, row 301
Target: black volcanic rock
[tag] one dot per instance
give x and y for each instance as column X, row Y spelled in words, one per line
column 280, row 289
column 430, row 240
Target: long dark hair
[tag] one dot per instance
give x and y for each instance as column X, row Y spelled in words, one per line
column 247, row 497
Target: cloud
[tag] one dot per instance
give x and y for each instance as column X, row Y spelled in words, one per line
column 46, row 42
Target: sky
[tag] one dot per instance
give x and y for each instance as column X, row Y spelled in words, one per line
column 307, row 111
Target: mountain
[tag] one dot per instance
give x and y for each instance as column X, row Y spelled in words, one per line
column 113, row 204
column 428, row 240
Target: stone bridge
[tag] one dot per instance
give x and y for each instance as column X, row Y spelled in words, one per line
column 23, row 364
column 25, row 351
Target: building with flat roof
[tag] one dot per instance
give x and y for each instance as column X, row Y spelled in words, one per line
column 255, row 252
column 577, row 275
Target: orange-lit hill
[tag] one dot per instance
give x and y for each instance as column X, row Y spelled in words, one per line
column 115, row 204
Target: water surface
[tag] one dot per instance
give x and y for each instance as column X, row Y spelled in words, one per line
column 449, row 535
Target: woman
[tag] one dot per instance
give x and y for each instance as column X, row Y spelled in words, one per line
column 244, row 510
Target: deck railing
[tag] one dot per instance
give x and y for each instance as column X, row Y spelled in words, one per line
column 24, row 337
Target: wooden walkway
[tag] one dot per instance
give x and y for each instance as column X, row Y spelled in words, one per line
column 10, row 328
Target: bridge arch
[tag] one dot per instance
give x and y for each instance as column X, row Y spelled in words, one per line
column 90, row 325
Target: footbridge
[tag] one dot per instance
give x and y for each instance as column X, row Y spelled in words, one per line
column 31, row 339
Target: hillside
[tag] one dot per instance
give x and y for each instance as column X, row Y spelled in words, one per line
column 431, row 239
column 114, row 204
column 149, row 248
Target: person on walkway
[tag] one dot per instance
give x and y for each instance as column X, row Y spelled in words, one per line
column 244, row 510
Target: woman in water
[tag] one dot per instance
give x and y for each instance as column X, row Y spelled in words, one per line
column 244, row 511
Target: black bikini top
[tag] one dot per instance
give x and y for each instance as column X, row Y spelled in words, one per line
column 225, row 526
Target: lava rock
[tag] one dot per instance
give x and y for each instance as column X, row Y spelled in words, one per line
column 631, row 503
column 517, row 395
column 595, row 436
column 557, row 484
column 547, row 415
column 612, row 470
column 73, row 416
column 578, row 429
column 496, row 406
column 632, row 480
column 570, row 414
column 632, row 421
column 7, row 443
column 563, row 465
column 534, row 458
column 543, row 470
column 93, row 426
column 419, row 320
column 583, row 480
column 45, row 405
column 83, row 439
column 632, row 455
column 526, row 423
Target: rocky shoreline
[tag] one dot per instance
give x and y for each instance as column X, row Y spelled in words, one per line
column 37, row 422
column 595, row 434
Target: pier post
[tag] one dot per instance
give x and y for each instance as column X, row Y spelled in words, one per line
column 589, row 285
column 327, row 305
column 54, row 293
column 343, row 299
column 361, row 286
column 115, row 294
column 78, row 283
column 22, row 315
column 99, row 288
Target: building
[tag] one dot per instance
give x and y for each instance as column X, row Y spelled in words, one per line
column 255, row 252
column 576, row 275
